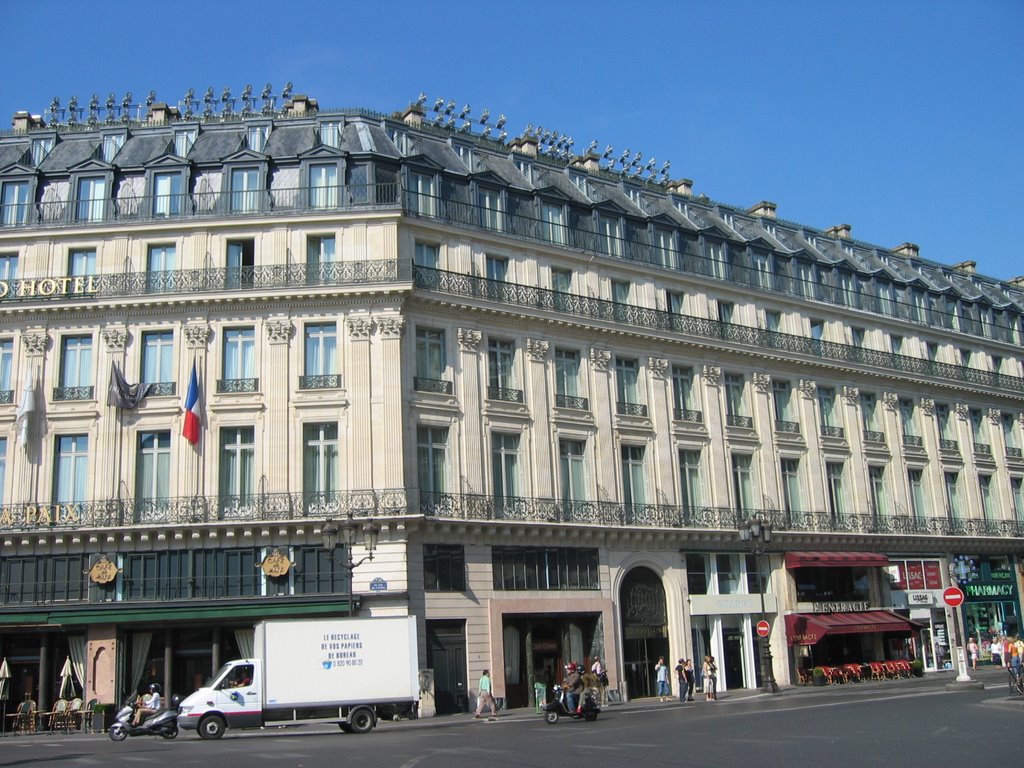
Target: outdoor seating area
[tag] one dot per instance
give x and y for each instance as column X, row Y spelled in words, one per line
column 68, row 713
column 855, row 673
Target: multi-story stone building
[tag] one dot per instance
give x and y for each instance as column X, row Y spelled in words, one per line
column 559, row 384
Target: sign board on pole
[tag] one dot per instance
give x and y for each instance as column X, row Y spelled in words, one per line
column 953, row 596
column 763, row 628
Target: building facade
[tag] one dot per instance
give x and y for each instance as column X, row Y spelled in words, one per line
column 559, row 384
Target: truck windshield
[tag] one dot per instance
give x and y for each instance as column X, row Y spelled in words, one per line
column 217, row 676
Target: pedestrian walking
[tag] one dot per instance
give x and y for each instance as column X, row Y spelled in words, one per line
column 688, row 671
column 972, row 652
column 710, row 670
column 484, row 697
column 661, row 672
column 681, row 679
column 602, row 679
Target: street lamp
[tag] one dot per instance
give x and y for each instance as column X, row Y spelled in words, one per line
column 758, row 534
column 345, row 532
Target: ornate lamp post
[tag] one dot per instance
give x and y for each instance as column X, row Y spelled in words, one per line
column 758, row 534
column 345, row 532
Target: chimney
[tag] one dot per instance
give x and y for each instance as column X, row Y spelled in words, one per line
column 526, row 145
column 681, row 187
column 23, row 122
column 162, row 114
column 840, row 231
column 589, row 162
column 1017, row 282
column 766, row 209
column 910, row 250
column 413, row 116
column 967, row 267
column 300, row 105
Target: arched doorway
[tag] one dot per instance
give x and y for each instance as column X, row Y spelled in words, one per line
column 644, row 630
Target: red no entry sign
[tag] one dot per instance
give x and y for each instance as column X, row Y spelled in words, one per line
column 763, row 628
column 953, row 596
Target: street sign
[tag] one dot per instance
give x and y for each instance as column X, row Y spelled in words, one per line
column 953, row 596
column 763, row 628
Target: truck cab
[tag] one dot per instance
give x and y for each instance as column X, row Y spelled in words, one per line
column 233, row 698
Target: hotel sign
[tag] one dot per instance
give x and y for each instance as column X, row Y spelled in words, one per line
column 47, row 287
column 46, row 516
column 851, row 606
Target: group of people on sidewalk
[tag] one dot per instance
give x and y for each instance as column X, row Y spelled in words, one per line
column 1006, row 651
column 686, row 679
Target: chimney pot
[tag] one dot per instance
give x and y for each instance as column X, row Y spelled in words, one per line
column 910, row 250
column 161, row 114
column 413, row 115
column 681, row 187
column 840, row 231
column 23, row 122
column 300, row 104
column 967, row 267
column 526, row 145
column 765, row 208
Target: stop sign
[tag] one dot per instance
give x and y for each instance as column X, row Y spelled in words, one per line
column 763, row 628
column 953, row 596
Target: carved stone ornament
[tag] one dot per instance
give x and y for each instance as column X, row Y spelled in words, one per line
column 197, row 335
column 891, row 401
column 359, row 328
column 762, row 381
column 927, row 406
column 962, row 410
column 600, row 358
column 658, row 366
column 276, row 564
column 995, row 416
column 469, row 340
column 103, row 571
column 1020, row 417
column 35, row 342
column 711, row 374
column 808, row 388
column 852, row 394
column 115, row 338
column 391, row 327
column 278, row 331
column 537, row 349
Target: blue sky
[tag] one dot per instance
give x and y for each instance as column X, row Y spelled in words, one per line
column 903, row 119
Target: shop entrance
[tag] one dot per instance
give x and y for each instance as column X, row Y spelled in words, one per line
column 731, row 664
column 644, row 630
column 446, row 655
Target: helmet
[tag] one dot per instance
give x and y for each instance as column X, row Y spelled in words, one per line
column 154, row 688
column 572, row 667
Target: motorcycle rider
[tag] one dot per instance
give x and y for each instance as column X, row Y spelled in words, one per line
column 573, row 687
column 148, row 705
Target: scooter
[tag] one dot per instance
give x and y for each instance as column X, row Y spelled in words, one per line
column 164, row 723
column 588, row 709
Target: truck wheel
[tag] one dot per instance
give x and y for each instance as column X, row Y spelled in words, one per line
column 345, row 727
column 117, row 732
column 551, row 716
column 211, row 727
column 361, row 720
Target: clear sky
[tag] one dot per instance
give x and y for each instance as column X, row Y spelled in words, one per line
column 902, row 118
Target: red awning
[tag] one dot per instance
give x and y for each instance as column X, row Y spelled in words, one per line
column 835, row 560
column 809, row 628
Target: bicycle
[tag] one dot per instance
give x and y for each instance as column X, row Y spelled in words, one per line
column 1016, row 680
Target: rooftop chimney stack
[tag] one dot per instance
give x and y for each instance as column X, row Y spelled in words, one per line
column 300, row 105
column 840, row 231
column 413, row 115
column 23, row 122
column 681, row 187
column 162, row 114
column 966, row 267
column 591, row 162
column 910, row 250
column 526, row 145
column 1017, row 282
column 765, row 209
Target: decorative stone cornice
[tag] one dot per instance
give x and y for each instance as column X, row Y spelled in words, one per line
column 279, row 331
column 391, row 327
column 962, row 410
column 537, row 349
column 891, row 400
column 35, row 342
column 658, row 366
column 762, row 381
column 114, row 337
column 359, row 328
column 808, row 388
column 927, row 406
column 469, row 340
column 197, row 335
column 600, row 359
column 711, row 374
column 852, row 394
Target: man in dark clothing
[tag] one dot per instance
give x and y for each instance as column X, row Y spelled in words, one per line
column 573, row 687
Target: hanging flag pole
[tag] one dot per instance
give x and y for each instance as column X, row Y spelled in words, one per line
column 192, row 425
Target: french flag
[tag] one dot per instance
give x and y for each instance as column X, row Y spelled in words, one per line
column 193, row 423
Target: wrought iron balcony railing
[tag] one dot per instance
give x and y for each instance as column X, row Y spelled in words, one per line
column 238, row 385
column 913, row 441
column 685, row 414
column 874, row 436
column 830, row 431
column 792, row 427
column 982, row 449
column 507, row 394
column 72, row 393
column 572, row 402
column 534, row 298
column 630, row 409
column 440, row 386
column 6, row 396
column 949, row 445
column 162, row 389
column 735, row 420
column 1014, row 453
column 321, row 381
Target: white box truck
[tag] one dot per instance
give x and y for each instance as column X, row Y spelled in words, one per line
column 318, row 670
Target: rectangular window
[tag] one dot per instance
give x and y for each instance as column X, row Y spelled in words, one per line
column 321, row 346
column 762, row 270
column 323, row 185
column 952, row 482
column 40, row 149
column 697, row 574
column 665, row 247
column 1009, row 432
column 505, row 466
column 790, row 469
column 256, row 137
column 71, row 478
column 735, row 404
column 561, row 280
column 674, row 302
column 947, row 429
column 430, row 354
column 426, row 255
column 827, row 408
column 241, row 263
column 489, row 204
column 725, row 311
column 544, row 568
column 82, row 262
column 183, row 141
column 3, row 470
column 609, row 236
column 782, row 401
column 836, row 499
column 620, row 291
column 682, row 390
column 6, row 363
column 167, row 196
column 987, row 503
column 634, row 483
column 627, row 374
column 237, row 466
column 497, row 268
column 92, row 199
column 157, row 357
column 14, row 203
column 915, row 478
column 320, row 259
column 245, row 190
column 239, row 353
column 161, row 266
column 567, row 372
column 869, row 412
column 444, row 567
column 330, row 134
column 76, row 362
column 979, row 431
column 689, row 479
column 728, row 571
column 422, row 198
column 879, row 498
column 715, row 259
column 8, row 266
column 772, row 321
column 1017, row 493
column 431, row 461
column 572, row 464
column 857, row 335
column 320, row 462
column 552, row 223
column 908, row 420
column 153, row 473
column 501, row 356
column 742, row 482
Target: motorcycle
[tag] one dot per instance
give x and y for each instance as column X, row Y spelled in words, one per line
column 588, row 709
column 164, row 723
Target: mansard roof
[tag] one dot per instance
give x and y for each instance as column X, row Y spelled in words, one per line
column 142, row 149
column 68, row 153
column 290, row 141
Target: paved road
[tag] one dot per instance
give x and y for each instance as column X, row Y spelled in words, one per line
column 899, row 723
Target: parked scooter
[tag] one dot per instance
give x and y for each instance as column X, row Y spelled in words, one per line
column 164, row 723
column 588, row 709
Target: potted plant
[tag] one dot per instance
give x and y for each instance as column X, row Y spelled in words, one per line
column 102, row 716
column 818, row 676
column 917, row 668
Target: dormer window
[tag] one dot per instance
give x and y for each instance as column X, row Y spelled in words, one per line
column 111, row 146
column 526, row 169
column 330, row 134
column 91, row 198
column 40, row 149
column 14, row 203
column 183, row 140
column 256, row 137
column 580, row 182
column 465, row 154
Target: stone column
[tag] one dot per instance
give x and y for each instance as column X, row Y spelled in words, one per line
column 719, row 464
column 281, row 375
column 538, row 397
column 101, row 652
column 359, row 415
column 474, row 390
column 605, row 445
column 388, row 405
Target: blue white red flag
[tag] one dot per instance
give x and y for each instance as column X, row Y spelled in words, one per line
column 193, row 422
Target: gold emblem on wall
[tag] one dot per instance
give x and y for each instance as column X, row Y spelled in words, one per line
column 276, row 564
column 103, row 571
